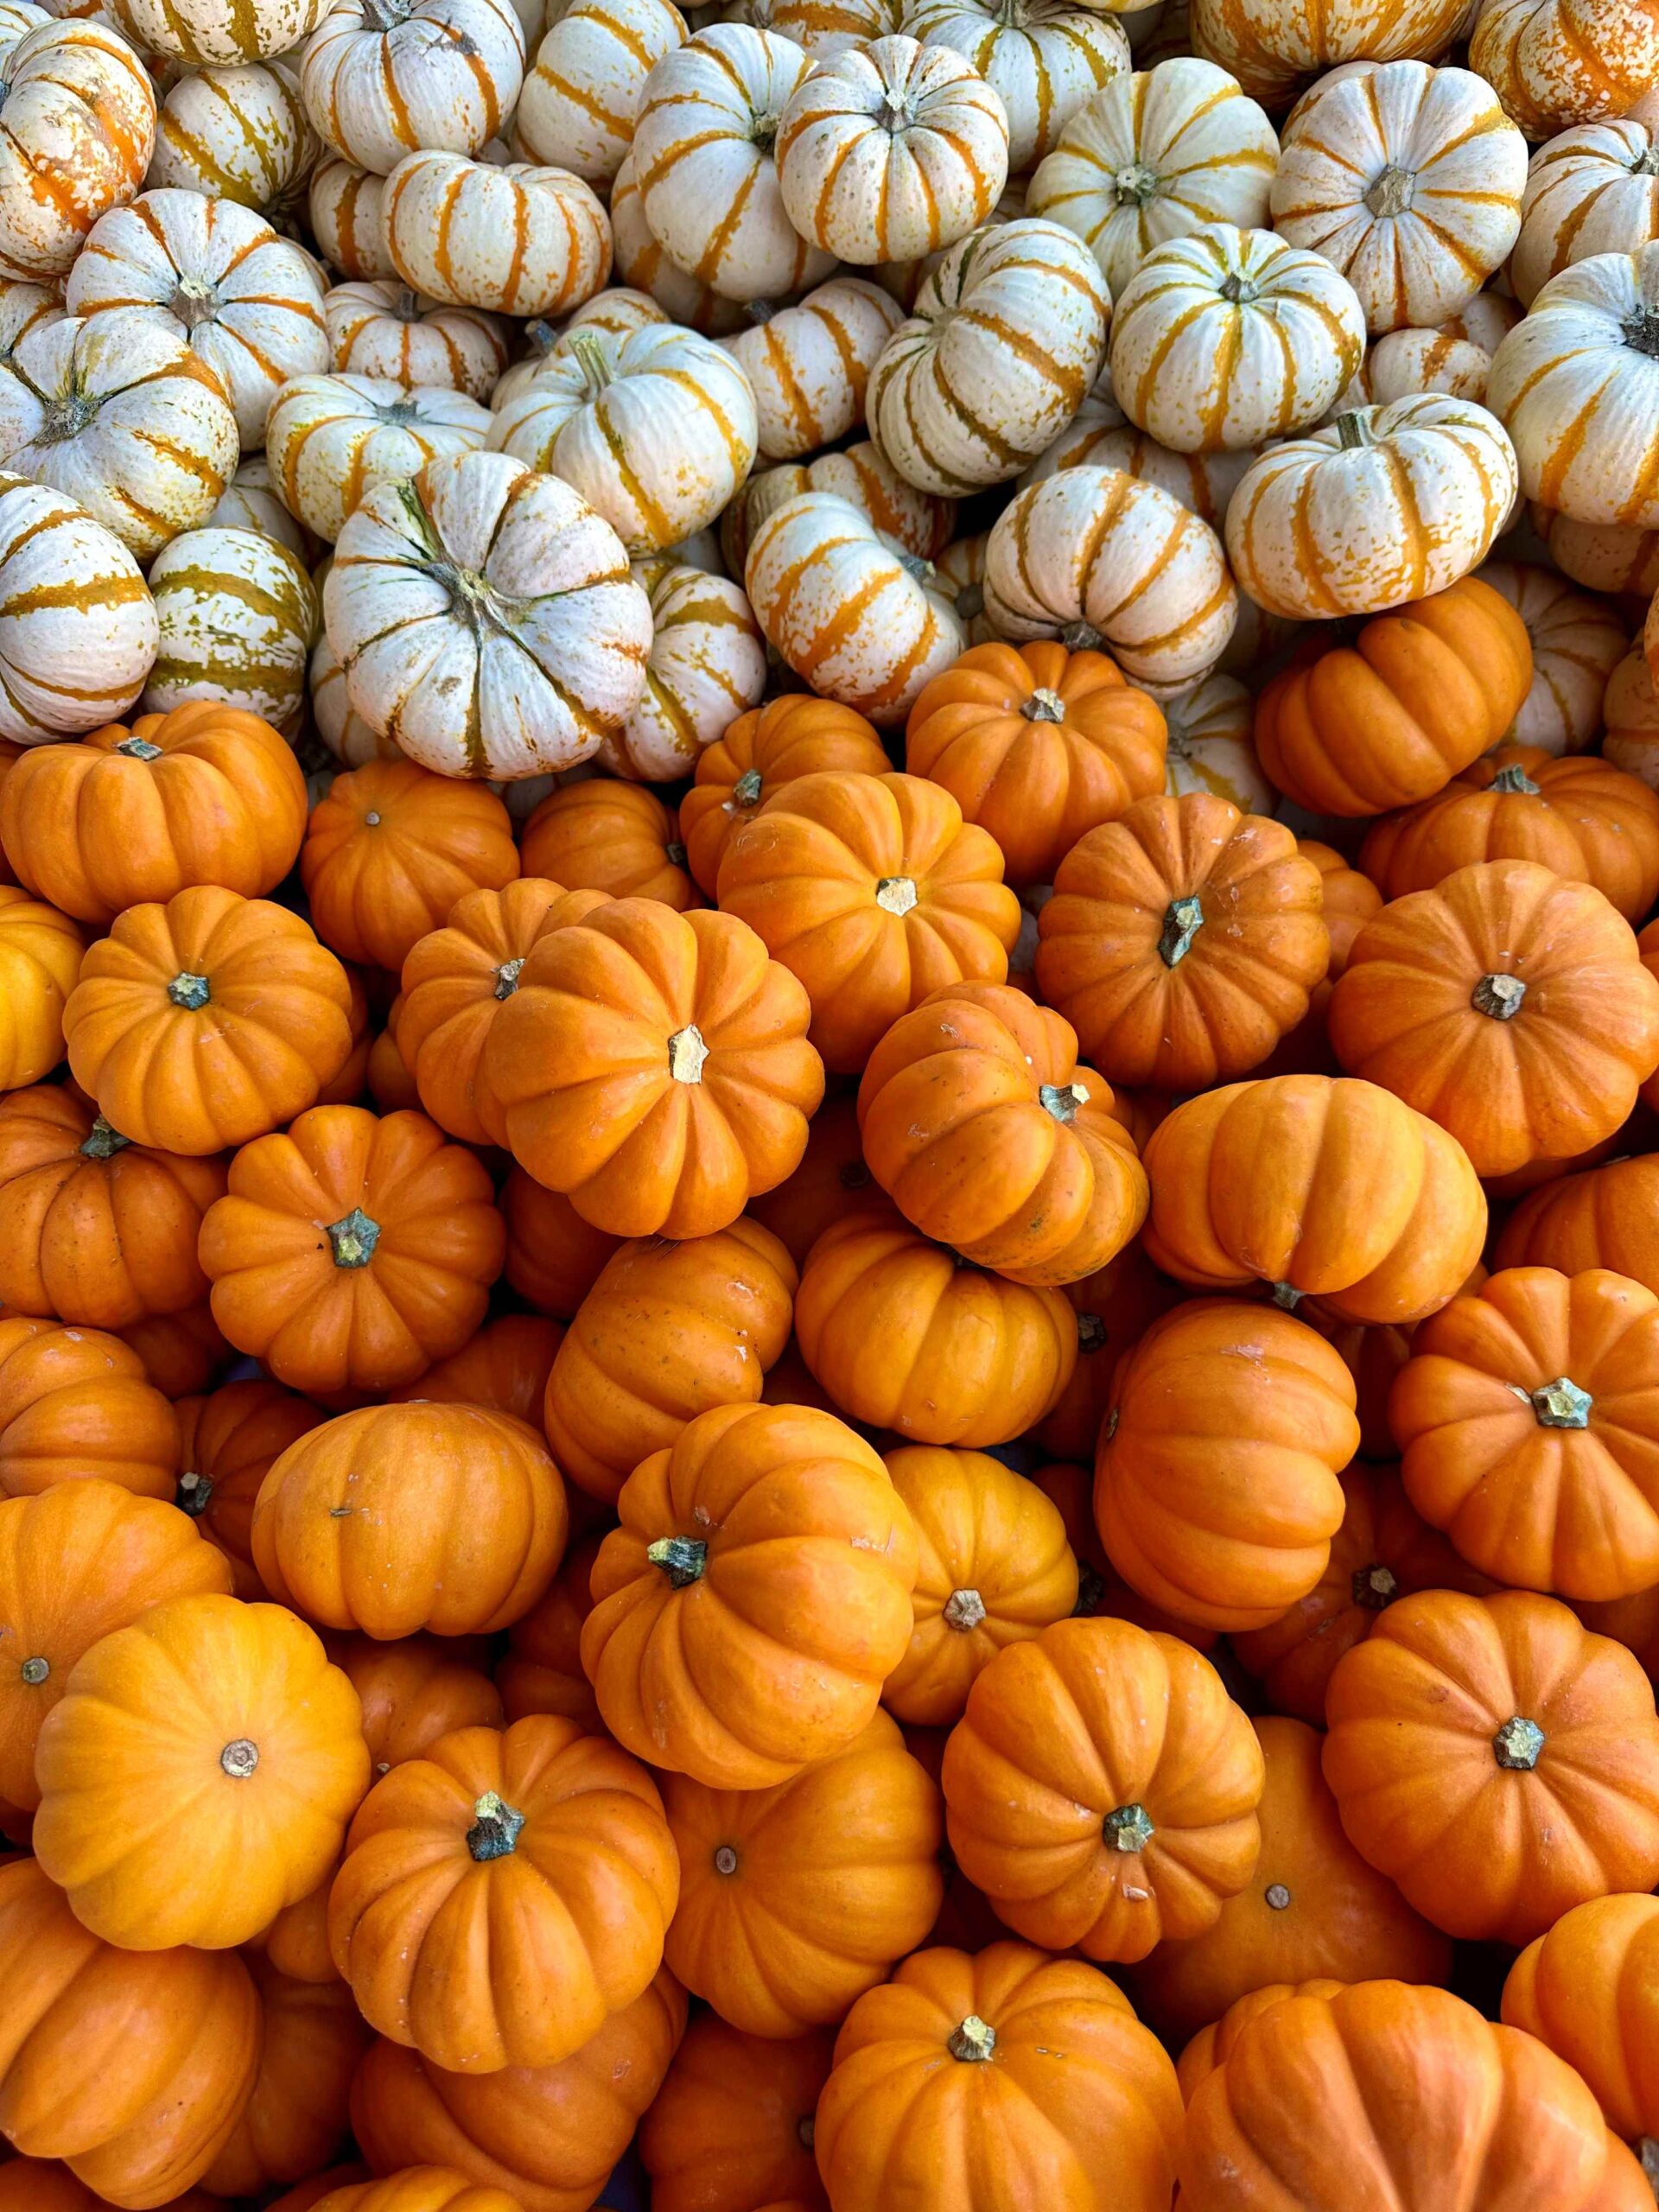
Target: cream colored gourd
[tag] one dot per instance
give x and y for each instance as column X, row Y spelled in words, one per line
column 1210, row 748
column 903, row 280
column 1042, row 58
column 1576, row 385
column 77, row 129
column 249, row 502
column 385, row 78
column 641, row 262
column 1273, row 50
column 347, row 209
column 618, row 312
column 1577, row 642
column 78, row 628
column 1409, row 179
column 809, row 365
column 1557, row 63
column 1405, row 362
column 826, row 27
column 703, row 157
column 859, row 620
column 1154, row 156
column 959, row 573
column 235, row 130
column 514, row 240
column 1592, row 190
column 1009, row 335
column 1099, row 559
column 582, row 92
column 1385, row 505
column 200, row 31
column 1630, row 713
column 329, row 438
column 1101, row 436
column 708, row 665
column 382, row 329
column 340, row 725
column 1227, row 339
column 1600, row 555
column 214, row 274
column 891, row 151
column 238, row 618
column 486, row 619
column 920, row 524
column 656, row 431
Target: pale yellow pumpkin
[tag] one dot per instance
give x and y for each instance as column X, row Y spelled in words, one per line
column 1101, row 436
column 642, row 262
column 921, row 523
column 1556, row 63
column 235, row 130
column 1211, row 746
column 1274, row 50
column 78, row 628
column 77, row 129
column 346, row 205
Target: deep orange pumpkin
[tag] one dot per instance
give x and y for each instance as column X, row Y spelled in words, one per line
column 833, row 1176
column 731, row 2125
column 296, row 2121
column 1605, row 1217
column 762, row 750
column 227, row 1443
column 414, row 1691
column 75, row 1403
column 541, row 1669
column 554, row 1256
column 504, row 1367
column 604, row 835
column 1588, row 1987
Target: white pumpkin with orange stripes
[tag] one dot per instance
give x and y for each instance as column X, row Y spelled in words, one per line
column 618, row 311
column 1273, row 50
column 1576, row 385
column 903, row 280
column 486, row 619
column 959, row 573
column 330, row 437
column 1600, row 555
column 708, row 665
column 656, row 431
column 237, row 617
column 1008, row 337
column 347, row 209
column 862, row 474
column 235, row 130
column 1557, row 63
column 200, row 31
column 516, row 240
column 382, row 329
column 1043, row 58
column 1100, row 560
column 250, row 502
column 853, row 617
column 1211, row 746
column 1153, row 157
column 1385, row 505
column 642, row 264
column 1577, row 642
column 582, row 92
column 1408, row 361
column 78, row 627
column 1592, row 190
column 826, row 27
column 340, row 725
column 1629, row 712
column 77, row 129
column 386, row 77
column 1101, row 436
column 891, row 151
column 810, row 365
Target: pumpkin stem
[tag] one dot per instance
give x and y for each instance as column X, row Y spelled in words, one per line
column 193, row 1495
column 139, row 748
column 683, row 1559
column 746, row 792
column 1354, row 430
column 372, row 821
column 1642, row 330
column 381, row 14
column 675, row 854
column 1183, row 920
column 1392, row 192
column 806, row 2131
column 973, row 2042
column 1129, row 1828
column 1237, row 290
column 1517, row 1744
column 1091, row 1334
column 897, row 107
column 1082, row 638
column 1091, row 1590
column 1375, row 1587
column 854, row 1176
column 102, row 1141
column 1498, row 996
column 494, row 1831
column 915, row 567
column 1043, row 706
column 1277, row 1896
column 239, row 1759
column 895, row 894
column 726, row 1859
column 1561, row 1404
column 686, row 1055
column 592, row 356
column 195, row 301
column 763, row 129
column 1286, row 1297
column 34, row 1671
column 541, row 337
column 970, row 603
column 1109, row 1427
column 1647, row 2149
column 407, row 305
column 963, row 1610
column 189, row 992
column 1062, row 1099
column 506, row 978
column 354, row 1239
column 1513, row 778
column 1136, row 183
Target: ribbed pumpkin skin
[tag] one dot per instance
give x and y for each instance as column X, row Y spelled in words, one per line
column 227, row 1441
column 541, row 1671
column 1272, row 54
column 296, row 2117
column 1556, row 63
column 604, row 835
column 413, row 1692
column 380, row 328
column 554, row 1256
column 733, row 2122
column 104, row 627
column 762, row 751
column 708, row 662
column 454, row 229
column 84, row 112
column 1602, row 1218
column 1589, row 190
column 419, row 2189
column 40, row 952
column 238, row 617
column 581, row 91
column 76, row 1404
column 234, row 131
column 331, row 436
column 1586, row 1988
column 440, row 73
column 1044, row 60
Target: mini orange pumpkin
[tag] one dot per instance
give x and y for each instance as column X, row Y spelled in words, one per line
column 762, row 751
column 414, row 1691
column 504, row 1367
column 1114, row 1307
column 76, row 1403
column 733, row 2123
column 183, row 1353
column 554, row 1256
column 833, row 1175
column 416, row 2189
column 1101, row 1591
column 296, row 2117
column 40, row 954
column 542, row 1670
column 1349, row 899
column 227, row 1443
column 604, row 835
column 1605, row 1217
column 1587, row 1988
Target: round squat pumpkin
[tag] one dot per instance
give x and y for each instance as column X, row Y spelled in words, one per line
column 1586, row 1988
column 603, row 835
column 414, row 1691
column 227, row 1442
column 41, row 953
column 76, row 1404
column 762, row 750
column 296, row 2117
column 734, row 2121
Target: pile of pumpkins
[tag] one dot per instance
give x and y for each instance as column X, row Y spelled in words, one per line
column 828, row 1164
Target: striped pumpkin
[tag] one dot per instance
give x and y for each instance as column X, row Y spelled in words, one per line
column 641, row 262
column 703, row 157
column 216, row 276
column 1408, row 361
column 1008, row 337
column 1557, row 63
column 1101, row 436
column 1228, row 338
column 1273, row 50
column 1153, row 157
column 857, row 619
column 1102, row 561
column 1387, row 504
column 23, row 309
column 77, row 129
column 959, row 573
column 235, row 130
column 237, row 616
column 1576, row 385
column 826, row 27
column 516, row 240
column 903, row 280
column 346, row 207
column 708, row 665
column 1485, row 321
column 341, row 729
column 1042, row 58
column 920, row 524
column 486, row 619
column 122, row 415
column 385, row 78
column 618, row 312
column 1592, row 190
column 580, row 99
column 1630, row 711
column 200, row 31
column 78, row 629
column 656, row 431
column 248, row 502
column 809, row 365
column 1210, row 746
column 891, row 151
column 329, row 438
column 1577, row 642
column 1600, row 555
column 1409, row 180
column 382, row 329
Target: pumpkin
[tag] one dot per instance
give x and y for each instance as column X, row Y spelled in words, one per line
column 1112, row 1307
column 833, row 1166
column 798, row 1898
column 1589, row 190
column 342, row 730
column 346, row 206
column 808, row 365
column 758, row 754
column 296, row 2116
column 248, row 502
column 483, row 1546
column 1368, row 1205
column 1213, row 2046
column 170, row 2042
column 412, row 1693
column 1509, row 1005
column 389, row 851
column 541, row 1671
column 1556, row 62
column 42, row 2185
column 1044, row 59
column 235, row 130
column 504, row 1369
column 1630, row 711
column 1577, row 642
column 861, row 476
column 380, row 328
column 965, row 1356
column 667, row 1330
column 614, row 837
column 414, row 2189
column 352, row 1250
column 237, row 617
column 674, row 1606
column 78, row 630
column 733, row 2123
column 642, row 263
column 1156, row 156
column 1083, row 2094
column 227, row 1442
column 554, row 1256
column 1585, row 1988
column 1101, row 436
column 1097, row 558
column 1208, row 746
column 1182, row 941
column 332, row 439
column 978, row 1122
column 1408, row 361
column 76, row 1403
column 520, row 240
column 708, row 665
column 40, row 954
column 78, row 117
column 1273, row 55
column 581, row 91
column 546, row 2135
column 382, row 78
column 1495, row 1760
column 1602, row 556
column 1597, row 1219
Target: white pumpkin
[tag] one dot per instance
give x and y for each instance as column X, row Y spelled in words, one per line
column 216, row 276
column 959, row 573
column 1211, row 748
column 119, row 414
column 891, row 151
column 385, row 78
column 340, row 725
column 826, row 27
column 1407, row 361
column 577, row 108
column 1557, row 63
column 248, row 502
column 237, row 616
column 1387, row 504
column 1409, row 180
column 78, row 628
column 1096, row 558
column 809, row 365
column 1576, row 384
column 484, row 617
column 1154, row 156
column 1102, row 436
column 1228, row 338
column 656, row 431
column 1043, row 58
column 329, row 438
column 348, row 209
column 856, row 619
column 1600, row 555
column 618, row 312
column 641, row 262
column 1273, row 50
column 1577, row 642
column 1630, row 713
column 915, row 520
column 1592, row 190
column 77, row 129
column 514, row 240
column 200, row 31
column 903, row 280
column 1486, row 321
column 708, row 665
column 1008, row 337
column 24, row 308
column 382, row 329
column 235, row 130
